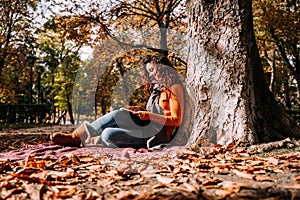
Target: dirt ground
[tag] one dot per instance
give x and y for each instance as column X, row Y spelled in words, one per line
column 32, row 167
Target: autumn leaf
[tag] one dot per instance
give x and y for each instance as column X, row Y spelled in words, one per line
column 5, row 166
column 164, row 180
column 190, row 188
column 34, row 190
column 273, row 161
column 134, row 182
column 63, row 192
column 212, row 183
column 243, row 174
column 263, row 178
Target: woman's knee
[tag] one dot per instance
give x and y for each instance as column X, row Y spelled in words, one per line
column 107, row 135
column 120, row 113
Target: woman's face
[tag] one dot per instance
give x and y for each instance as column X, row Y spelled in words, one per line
column 151, row 69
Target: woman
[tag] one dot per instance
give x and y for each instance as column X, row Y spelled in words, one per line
column 134, row 126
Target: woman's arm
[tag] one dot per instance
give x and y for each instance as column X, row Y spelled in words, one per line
column 134, row 108
column 173, row 116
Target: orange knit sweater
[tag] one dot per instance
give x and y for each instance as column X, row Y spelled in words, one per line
column 172, row 102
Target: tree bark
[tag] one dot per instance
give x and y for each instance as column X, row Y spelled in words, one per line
column 225, row 78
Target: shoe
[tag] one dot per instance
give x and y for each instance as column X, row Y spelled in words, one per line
column 80, row 136
column 66, row 139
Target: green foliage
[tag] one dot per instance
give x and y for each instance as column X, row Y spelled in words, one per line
column 59, row 48
column 84, row 89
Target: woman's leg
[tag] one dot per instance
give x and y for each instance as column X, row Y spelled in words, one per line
column 118, row 137
column 136, row 130
column 85, row 131
column 117, row 118
column 96, row 127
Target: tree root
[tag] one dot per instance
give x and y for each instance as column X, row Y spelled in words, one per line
column 266, row 147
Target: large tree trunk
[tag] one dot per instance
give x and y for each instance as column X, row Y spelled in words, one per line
column 225, row 78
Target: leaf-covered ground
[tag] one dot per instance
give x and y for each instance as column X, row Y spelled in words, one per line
column 31, row 167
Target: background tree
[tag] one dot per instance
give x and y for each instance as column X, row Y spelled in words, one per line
column 226, row 80
column 117, row 72
column 60, row 43
column 162, row 14
column 277, row 31
column 16, row 42
column 111, row 20
column 143, row 15
column 108, row 18
column 84, row 90
column 118, row 69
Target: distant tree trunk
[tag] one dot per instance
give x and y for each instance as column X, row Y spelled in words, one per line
column 226, row 80
column 70, row 110
column 103, row 87
column 272, row 62
column 163, row 40
column 1, row 68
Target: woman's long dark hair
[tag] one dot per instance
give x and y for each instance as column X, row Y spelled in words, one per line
column 166, row 74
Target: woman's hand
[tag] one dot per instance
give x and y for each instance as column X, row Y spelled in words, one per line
column 143, row 115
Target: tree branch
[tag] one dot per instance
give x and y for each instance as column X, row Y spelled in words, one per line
column 139, row 14
column 158, row 9
column 121, row 43
column 281, row 50
column 130, row 7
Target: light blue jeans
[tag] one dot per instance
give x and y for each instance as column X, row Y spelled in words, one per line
column 121, row 128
